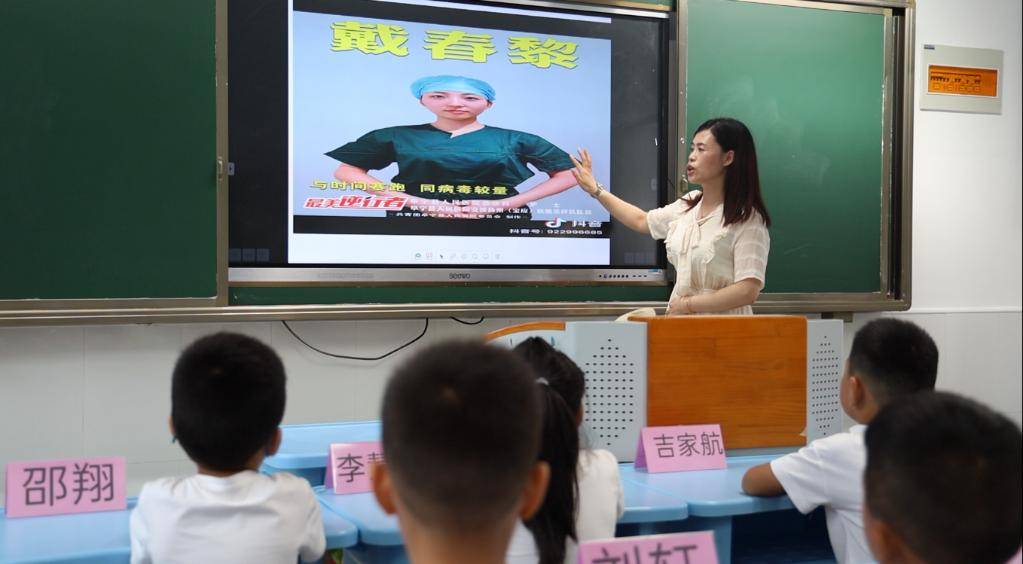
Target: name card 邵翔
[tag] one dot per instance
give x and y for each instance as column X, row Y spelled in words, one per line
column 683, row 548
column 70, row 485
column 348, row 471
column 681, row 447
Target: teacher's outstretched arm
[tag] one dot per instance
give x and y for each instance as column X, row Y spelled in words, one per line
column 632, row 217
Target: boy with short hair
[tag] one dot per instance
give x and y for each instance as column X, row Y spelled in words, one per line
column 943, row 482
column 227, row 401
column 461, row 434
column 889, row 358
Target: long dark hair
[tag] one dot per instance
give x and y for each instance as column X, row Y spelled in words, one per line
column 742, row 179
column 562, row 384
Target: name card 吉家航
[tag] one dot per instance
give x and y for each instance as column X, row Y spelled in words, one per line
column 348, row 471
column 680, row 548
column 681, row 447
column 70, row 485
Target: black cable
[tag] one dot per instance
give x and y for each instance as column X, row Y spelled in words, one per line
column 482, row 319
column 426, row 325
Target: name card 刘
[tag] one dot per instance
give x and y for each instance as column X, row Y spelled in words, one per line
column 72, row 485
column 681, row 447
column 348, row 471
column 680, row 548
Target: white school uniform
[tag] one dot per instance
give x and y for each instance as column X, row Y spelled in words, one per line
column 246, row 517
column 601, row 502
column 829, row 472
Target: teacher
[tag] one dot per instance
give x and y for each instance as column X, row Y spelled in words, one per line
column 715, row 237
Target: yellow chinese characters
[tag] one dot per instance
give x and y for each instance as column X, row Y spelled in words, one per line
column 463, row 189
column 372, row 39
column 454, row 44
column 459, row 45
column 542, row 54
column 341, row 185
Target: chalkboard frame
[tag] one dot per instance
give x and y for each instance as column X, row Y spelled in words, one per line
column 896, row 267
column 18, row 310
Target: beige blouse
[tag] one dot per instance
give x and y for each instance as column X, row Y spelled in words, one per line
column 706, row 255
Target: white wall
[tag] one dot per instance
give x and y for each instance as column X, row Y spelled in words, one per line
column 967, row 235
column 100, row 390
column 105, row 390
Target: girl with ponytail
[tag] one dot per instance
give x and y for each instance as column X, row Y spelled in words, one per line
column 584, row 495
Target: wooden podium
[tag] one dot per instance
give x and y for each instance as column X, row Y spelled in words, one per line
column 747, row 373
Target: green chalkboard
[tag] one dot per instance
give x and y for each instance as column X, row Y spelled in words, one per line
column 809, row 84
column 108, row 147
column 108, row 150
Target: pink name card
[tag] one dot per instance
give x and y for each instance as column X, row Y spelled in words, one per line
column 72, row 485
column 348, row 471
column 675, row 548
column 681, row 447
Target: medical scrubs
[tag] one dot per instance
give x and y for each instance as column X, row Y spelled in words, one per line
column 489, row 157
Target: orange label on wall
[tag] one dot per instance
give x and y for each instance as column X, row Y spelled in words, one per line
column 962, row 80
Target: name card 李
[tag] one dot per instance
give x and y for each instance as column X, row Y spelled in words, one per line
column 72, row 485
column 675, row 548
column 348, row 471
column 681, row 447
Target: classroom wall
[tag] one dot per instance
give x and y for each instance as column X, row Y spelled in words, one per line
column 99, row 390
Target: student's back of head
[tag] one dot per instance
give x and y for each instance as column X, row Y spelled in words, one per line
column 893, row 357
column 943, row 482
column 461, row 428
column 227, row 400
column 562, row 387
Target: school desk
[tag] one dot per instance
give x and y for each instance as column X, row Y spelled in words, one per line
column 714, row 497
column 380, row 538
column 103, row 538
column 304, row 452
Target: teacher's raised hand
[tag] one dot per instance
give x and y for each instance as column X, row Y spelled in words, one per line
column 583, row 171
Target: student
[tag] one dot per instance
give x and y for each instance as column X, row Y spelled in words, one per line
column 461, row 432
column 942, row 482
column 889, row 358
column 227, row 401
column 584, row 497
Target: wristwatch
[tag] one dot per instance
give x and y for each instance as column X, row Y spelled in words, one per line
column 600, row 189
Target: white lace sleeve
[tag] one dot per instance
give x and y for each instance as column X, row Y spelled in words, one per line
column 659, row 220
column 752, row 244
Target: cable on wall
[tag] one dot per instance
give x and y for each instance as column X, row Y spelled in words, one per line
column 426, row 325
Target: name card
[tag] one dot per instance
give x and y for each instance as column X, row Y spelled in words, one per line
column 348, row 471
column 681, row 447
column 675, row 548
column 72, row 485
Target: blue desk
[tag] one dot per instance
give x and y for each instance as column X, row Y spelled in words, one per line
column 380, row 537
column 304, row 448
column 682, row 501
column 103, row 537
column 304, row 452
column 714, row 496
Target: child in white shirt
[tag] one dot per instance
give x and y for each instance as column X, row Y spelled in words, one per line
column 461, row 430
column 890, row 358
column 943, row 482
column 584, row 497
column 227, row 401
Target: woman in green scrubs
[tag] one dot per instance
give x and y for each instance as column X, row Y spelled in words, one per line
column 456, row 166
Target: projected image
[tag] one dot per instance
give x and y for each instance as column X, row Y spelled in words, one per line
column 455, row 167
column 405, row 130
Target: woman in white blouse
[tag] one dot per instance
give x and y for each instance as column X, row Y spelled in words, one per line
column 715, row 237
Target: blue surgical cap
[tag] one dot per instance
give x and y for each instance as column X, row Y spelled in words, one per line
column 451, row 83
